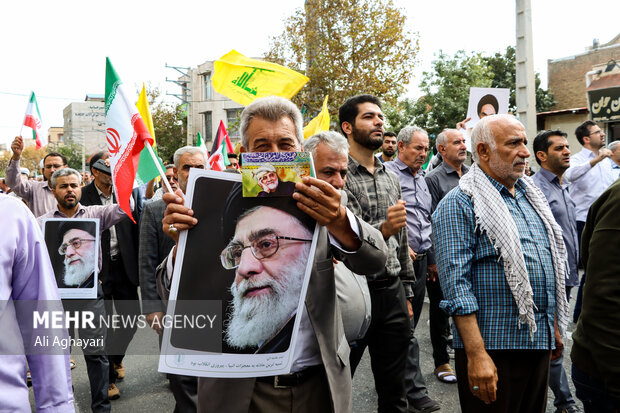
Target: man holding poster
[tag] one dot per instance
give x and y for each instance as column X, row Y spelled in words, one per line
column 320, row 378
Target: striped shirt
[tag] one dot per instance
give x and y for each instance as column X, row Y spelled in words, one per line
column 369, row 197
column 472, row 275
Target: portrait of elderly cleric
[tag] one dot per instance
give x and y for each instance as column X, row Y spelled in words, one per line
column 270, row 183
column 256, row 267
column 72, row 246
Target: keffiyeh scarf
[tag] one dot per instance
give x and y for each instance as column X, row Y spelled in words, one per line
column 493, row 218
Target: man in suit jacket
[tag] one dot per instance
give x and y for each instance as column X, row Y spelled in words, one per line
column 323, row 380
column 154, row 247
column 119, row 271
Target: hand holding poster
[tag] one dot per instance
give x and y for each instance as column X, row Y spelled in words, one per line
column 246, row 261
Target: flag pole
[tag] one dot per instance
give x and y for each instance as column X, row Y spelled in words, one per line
column 161, row 171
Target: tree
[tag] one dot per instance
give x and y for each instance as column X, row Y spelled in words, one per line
column 73, row 153
column 347, row 47
column 168, row 124
column 446, row 89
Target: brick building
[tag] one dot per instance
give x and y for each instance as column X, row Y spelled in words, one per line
column 570, row 89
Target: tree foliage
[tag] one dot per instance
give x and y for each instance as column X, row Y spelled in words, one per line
column 168, row 124
column 347, row 47
column 446, row 89
column 31, row 157
column 73, row 153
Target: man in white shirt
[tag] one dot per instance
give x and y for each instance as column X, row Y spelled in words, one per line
column 589, row 175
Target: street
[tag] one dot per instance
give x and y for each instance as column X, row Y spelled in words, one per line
column 144, row 390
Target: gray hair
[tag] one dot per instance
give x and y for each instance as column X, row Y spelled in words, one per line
column 193, row 150
column 407, row 132
column 64, row 172
column 443, row 136
column 613, row 146
column 271, row 108
column 335, row 141
column 482, row 133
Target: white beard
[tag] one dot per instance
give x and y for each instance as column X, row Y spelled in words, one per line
column 254, row 320
column 76, row 274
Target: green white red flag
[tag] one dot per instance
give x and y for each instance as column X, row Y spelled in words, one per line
column 126, row 135
column 200, row 143
column 33, row 121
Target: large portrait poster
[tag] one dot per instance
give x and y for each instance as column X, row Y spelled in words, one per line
column 243, row 270
column 484, row 102
column 73, row 247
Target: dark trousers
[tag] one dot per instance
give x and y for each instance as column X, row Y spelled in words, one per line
column 577, row 311
column 439, row 323
column 387, row 340
column 96, row 361
column 184, row 389
column 592, row 393
column 414, row 380
column 522, row 382
column 121, row 294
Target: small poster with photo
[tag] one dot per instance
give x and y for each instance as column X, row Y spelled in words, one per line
column 484, row 102
column 269, row 174
column 248, row 317
column 73, row 247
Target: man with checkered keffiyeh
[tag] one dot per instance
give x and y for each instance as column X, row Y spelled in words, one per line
column 502, row 265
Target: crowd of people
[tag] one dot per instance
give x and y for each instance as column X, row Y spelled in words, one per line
column 497, row 251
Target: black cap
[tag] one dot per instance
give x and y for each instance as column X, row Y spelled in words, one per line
column 101, row 166
column 236, row 205
column 66, row 226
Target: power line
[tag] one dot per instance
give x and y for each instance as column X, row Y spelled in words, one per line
column 38, row 97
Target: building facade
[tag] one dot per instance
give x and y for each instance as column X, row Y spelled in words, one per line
column 580, row 81
column 84, row 124
column 207, row 108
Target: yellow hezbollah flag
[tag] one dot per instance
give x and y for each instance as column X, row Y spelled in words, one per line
column 243, row 79
column 147, row 169
column 320, row 123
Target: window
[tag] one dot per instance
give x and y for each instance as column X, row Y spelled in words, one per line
column 207, row 86
column 232, row 122
column 207, row 132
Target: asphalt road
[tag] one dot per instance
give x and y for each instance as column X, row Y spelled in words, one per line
column 145, row 390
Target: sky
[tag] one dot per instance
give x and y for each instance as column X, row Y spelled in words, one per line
column 58, row 48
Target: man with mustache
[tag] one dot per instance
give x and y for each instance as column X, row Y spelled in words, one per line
column 269, row 252
column 274, row 124
column 412, row 153
column 78, row 248
column 502, row 268
column 441, row 180
column 271, row 184
column 553, row 156
column 388, row 149
column 66, row 184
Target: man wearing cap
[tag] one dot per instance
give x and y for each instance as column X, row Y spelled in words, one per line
column 274, row 124
column 119, row 270
column 38, row 195
column 67, row 190
column 268, row 179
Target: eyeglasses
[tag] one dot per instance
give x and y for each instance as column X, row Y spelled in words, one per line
column 76, row 243
column 599, row 132
column 261, row 248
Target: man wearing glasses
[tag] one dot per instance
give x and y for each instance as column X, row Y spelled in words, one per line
column 78, row 249
column 269, row 253
column 66, row 184
column 589, row 175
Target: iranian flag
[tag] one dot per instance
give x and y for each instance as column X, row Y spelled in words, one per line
column 33, row 121
column 200, row 143
column 126, row 134
column 219, row 159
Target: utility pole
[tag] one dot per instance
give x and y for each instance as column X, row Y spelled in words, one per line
column 185, row 97
column 525, row 83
